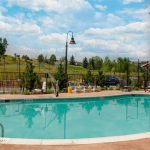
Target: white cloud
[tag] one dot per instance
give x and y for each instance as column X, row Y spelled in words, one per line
column 16, row 26
column 59, row 6
column 129, row 28
column 101, row 7
column 129, row 40
column 132, row 1
column 140, row 14
column 107, row 20
column 54, row 38
column 31, row 52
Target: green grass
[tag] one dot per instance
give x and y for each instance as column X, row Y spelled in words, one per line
column 11, row 65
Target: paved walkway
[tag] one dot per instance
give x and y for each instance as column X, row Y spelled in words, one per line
column 130, row 145
column 66, row 95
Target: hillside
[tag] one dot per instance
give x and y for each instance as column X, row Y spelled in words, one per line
column 12, row 65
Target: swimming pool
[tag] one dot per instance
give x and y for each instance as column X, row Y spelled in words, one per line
column 75, row 118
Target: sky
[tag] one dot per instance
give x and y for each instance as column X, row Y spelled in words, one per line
column 113, row 28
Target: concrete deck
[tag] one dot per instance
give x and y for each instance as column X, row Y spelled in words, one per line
column 72, row 95
column 143, row 144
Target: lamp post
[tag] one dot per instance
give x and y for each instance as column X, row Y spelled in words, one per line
column 18, row 56
column 127, row 72
column 138, row 73
column 72, row 41
column 147, row 73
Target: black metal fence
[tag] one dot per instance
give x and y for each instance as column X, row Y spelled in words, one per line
column 10, row 81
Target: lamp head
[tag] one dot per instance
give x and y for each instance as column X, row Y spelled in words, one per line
column 72, row 41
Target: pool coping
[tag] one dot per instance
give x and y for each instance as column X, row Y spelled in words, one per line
column 19, row 141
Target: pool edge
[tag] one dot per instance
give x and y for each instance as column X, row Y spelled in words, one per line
column 19, row 141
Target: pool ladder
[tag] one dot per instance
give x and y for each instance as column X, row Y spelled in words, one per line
column 2, row 130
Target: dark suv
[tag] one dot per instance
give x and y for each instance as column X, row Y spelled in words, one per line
column 111, row 80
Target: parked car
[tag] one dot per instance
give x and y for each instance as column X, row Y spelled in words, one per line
column 111, row 80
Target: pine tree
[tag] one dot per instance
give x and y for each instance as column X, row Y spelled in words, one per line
column 89, row 79
column 3, row 46
column 40, row 59
column 85, row 63
column 61, row 77
column 72, row 60
column 29, row 79
column 52, row 59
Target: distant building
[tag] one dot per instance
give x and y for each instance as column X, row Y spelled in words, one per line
column 145, row 65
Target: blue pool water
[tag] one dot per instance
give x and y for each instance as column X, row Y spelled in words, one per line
column 75, row 118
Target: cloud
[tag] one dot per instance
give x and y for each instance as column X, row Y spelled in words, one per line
column 107, row 20
column 101, row 7
column 134, row 27
column 129, row 40
column 132, row 1
column 54, row 39
column 16, row 26
column 140, row 14
column 58, row 6
column 30, row 51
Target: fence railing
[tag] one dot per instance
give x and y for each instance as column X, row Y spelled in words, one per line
column 10, row 80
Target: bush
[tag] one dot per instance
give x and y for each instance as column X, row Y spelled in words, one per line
column 136, row 88
column 26, row 92
column 13, row 91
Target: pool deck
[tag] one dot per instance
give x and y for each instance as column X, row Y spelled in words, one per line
column 142, row 144
column 68, row 95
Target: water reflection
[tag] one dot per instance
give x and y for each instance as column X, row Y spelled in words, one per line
column 29, row 112
column 2, row 130
column 2, row 109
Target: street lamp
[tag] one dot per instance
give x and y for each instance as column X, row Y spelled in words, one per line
column 18, row 56
column 72, row 41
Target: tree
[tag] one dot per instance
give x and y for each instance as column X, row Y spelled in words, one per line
column 100, row 80
column 30, row 79
column 89, row 77
column 95, row 63
column 85, row 63
column 91, row 64
column 26, row 57
column 114, row 67
column 61, row 77
column 107, row 65
column 72, row 60
column 3, row 46
column 52, row 59
column 40, row 60
column 45, row 59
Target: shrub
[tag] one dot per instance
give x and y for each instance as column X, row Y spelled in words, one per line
column 13, row 91
column 136, row 88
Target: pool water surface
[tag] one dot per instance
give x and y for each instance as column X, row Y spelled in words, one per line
column 75, row 118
